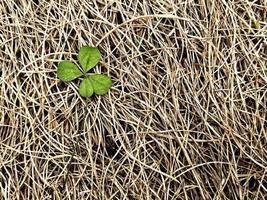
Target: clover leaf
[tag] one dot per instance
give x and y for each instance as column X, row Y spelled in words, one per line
column 86, row 88
column 88, row 58
column 101, row 83
column 68, row 71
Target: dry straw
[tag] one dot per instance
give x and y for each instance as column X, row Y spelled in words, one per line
column 185, row 117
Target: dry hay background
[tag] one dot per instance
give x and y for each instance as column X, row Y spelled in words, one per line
column 185, row 118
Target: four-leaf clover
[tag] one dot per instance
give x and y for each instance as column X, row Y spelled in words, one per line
column 88, row 58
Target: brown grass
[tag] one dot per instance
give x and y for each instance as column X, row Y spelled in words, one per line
column 185, row 118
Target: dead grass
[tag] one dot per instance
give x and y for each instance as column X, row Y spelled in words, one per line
column 185, row 118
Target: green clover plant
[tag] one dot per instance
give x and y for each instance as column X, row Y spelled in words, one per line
column 88, row 58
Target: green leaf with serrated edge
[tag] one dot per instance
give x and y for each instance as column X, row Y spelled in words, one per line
column 88, row 57
column 101, row 83
column 86, row 88
column 68, row 71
